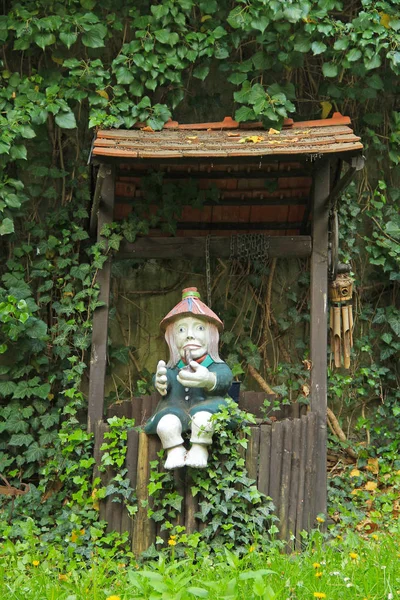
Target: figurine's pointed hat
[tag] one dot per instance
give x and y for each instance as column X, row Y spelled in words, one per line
column 191, row 306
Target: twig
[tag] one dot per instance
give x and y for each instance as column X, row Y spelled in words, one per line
column 131, row 355
column 260, row 380
column 338, row 431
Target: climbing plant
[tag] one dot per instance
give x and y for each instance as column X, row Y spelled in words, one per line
column 66, row 69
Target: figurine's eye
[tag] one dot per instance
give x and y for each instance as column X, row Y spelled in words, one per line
column 201, row 328
column 181, row 329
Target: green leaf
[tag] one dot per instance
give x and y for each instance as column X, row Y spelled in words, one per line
column 330, row 69
column 237, row 78
column 27, row 132
column 18, row 152
column 341, row 44
column 302, row 44
column 68, row 38
column 44, row 39
column 7, row 388
column 198, row 592
column 201, row 72
column 244, row 113
column 136, row 88
column 35, row 453
column 373, row 63
column 65, row 120
column 21, row 439
column 94, row 38
column 293, row 14
column 394, row 323
column 36, row 329
column 42, row 391
column 7, row 226
column 124, row 75
column 318, row 48
column 353, row 55
column 4, row 148
column 261, row 23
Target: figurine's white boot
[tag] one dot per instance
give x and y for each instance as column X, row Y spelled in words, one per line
column 169, row 430
column 202, row 432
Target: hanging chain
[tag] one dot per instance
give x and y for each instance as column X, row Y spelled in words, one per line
column 208, row 271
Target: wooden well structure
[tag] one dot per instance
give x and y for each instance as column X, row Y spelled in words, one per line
column 281, row 185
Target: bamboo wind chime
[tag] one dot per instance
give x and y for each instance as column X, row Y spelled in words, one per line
column 341, row 319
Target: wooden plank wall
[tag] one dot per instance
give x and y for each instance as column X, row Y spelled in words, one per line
column 280, row 457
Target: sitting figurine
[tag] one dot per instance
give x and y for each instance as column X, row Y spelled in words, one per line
column 193, row 384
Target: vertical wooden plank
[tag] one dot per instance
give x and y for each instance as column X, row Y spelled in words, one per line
column 154, row 447
column 276, row 464
column 300, row 499
column 98, row 358
column 295, row 478
column 285, row 479
column 265, row 459
column 141, row 533
column 119, row 409
column 310, row 493
column 252, row 452
column 136, row 410
column 131, row 466
column 319, row 323
column 191, row 505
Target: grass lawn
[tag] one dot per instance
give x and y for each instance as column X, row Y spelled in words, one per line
column 351, row 567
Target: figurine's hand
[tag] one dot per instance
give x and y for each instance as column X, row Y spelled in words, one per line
column 161, row 378
column 199, row 377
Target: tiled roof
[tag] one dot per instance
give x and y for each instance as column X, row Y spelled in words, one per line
column 229, row 139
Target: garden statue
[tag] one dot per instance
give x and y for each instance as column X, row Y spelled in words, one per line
column 193, row 384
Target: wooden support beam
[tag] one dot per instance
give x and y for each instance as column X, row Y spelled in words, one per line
column 194, row 247
column 319, row 324
column 98, row 358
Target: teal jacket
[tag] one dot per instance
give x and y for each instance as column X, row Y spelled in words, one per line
column 185, row 402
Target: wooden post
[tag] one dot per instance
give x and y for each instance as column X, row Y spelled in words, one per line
column 318, row 332
column 98, row 358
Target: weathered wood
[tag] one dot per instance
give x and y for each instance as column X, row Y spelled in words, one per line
column 265, row 459
column 276, row 464
column 285, row 487
column 131, row 473
column 141, row 538
column 120, row 409
column 252, row 453
column 318, row 328
column 300, row 499
column 98, row 358
column 180, row 488
column 194, row 247
column 136, row 409
column 310, row 489
column 96, row 197
column 191, row 505
column 295, row 478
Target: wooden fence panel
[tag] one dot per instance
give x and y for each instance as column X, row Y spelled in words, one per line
column 279, row 457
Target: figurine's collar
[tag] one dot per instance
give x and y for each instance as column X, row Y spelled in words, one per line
column 205, row 360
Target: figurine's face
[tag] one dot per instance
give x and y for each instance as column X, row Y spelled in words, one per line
column 191, row 333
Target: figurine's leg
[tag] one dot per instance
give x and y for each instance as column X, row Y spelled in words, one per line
column 202, row 432
column 169, row 430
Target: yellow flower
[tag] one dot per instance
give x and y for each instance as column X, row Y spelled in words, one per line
column 318, row 574
column 375, row 537
column 172, row 537
column 320, row 520
column 171, row 542
column 339, row 537
column 319, row 595
column 62, row 577
column 353, row 555
column 251, row 549
column 113, row 598
column 36, row 563
column 316, row 565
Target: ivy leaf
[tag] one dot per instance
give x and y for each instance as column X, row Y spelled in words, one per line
column 341, row 44
column 4, row 148
column 292, row 13
column 42, row 391
column 302, row 44
column 237, row 78
column 353, row 55
column 201, row 72
column 44, row 39
column 65, row 120
column 7, row 226
column 94, row 37
column 318, row 48
column 244, row 113
column 21, row 439
column 124, row 75
column 330, row 69
column 35, row 453
column 7, row 388
column 261, row 24
column 27, row 132
column 37, row 328
column 394, row 323
column 372, row 63
column 68, row 38
column 18, row 152
column 136, row 88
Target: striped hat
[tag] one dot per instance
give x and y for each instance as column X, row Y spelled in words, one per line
column 191, row 306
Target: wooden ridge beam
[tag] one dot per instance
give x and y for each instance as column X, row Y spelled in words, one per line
column 194, row 247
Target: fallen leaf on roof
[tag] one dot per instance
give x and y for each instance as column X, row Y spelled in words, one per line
column 254, row 139
column 192, row 137
column 273, row 131
column 147, row 128
column 233, row 134
column 326, row 108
